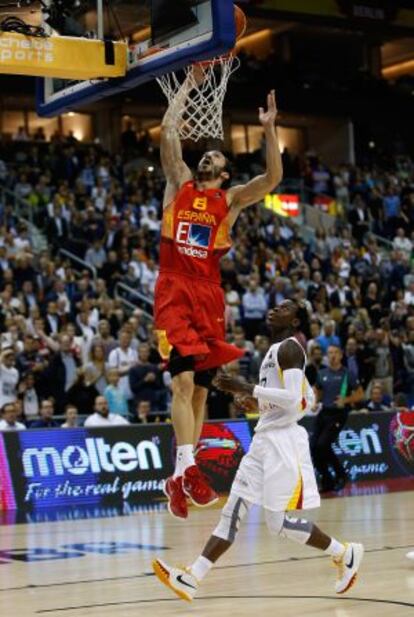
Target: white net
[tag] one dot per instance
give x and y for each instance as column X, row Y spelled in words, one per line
column 201, row 112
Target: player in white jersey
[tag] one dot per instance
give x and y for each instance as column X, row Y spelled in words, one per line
column 277, row 471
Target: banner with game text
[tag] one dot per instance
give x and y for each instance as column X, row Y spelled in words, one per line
column 120, row 466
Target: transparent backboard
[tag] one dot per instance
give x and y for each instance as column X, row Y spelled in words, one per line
column 163, row 36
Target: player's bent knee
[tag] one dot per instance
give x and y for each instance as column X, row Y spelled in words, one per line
column 232, row 514
column 297, row 529
column 183, row 385
column 274, row 521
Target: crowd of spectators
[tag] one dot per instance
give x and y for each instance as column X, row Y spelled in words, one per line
column 71, row 345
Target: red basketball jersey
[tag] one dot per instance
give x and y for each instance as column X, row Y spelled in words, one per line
column 195, row 233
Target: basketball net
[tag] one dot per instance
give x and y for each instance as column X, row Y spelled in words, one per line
column 201, row 112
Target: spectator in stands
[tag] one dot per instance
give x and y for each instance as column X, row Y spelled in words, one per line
column 350, row 360
column 111, row 271
column 23, row 188
column 143, row 411
column 8, row 421
column 342, row 298
column 30, row 359
column 392, row 205
column 105, row 337
column 28, row 397
column 328, row 338
column 384, row 369
column 123, row 358
column 254, row 309
column 71, row 417
column 337, row 391
column 102, row 417
column 96, row 367
column 402, row 243
column 321, row 179
column 145, row 380
column 53, row 321
column 9, row 377
column 115, row 395
column 62, row 371
column 378, row 401
column 359, row 219
column 96, row 255
column 57, row 230
column 409, row 295
column 46, row 411
column 372, row 302
column 315, row 363
column 83, row 392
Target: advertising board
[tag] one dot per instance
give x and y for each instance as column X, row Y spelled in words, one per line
column 121, row 466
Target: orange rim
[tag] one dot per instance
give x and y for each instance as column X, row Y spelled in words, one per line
column 238, row 14
column 215, row 61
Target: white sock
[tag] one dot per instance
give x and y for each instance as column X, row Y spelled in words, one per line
column 201, row 567
column 185, row 458
column 335, row 549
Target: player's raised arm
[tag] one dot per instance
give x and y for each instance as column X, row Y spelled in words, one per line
column 240, row 197
column 173, row 165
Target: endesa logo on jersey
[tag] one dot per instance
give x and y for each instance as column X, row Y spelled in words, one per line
column 193, row 240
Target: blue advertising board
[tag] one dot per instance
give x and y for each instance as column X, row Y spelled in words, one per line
column 117, row 466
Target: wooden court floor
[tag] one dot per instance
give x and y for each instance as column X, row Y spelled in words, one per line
column 108, row 566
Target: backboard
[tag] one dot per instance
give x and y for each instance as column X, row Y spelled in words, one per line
column 164, row 36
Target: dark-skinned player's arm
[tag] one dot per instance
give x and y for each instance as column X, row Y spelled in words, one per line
column 240, row 197
column 292, row 361
column 173, row 165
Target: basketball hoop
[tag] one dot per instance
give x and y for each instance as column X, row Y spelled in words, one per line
column 201, row 112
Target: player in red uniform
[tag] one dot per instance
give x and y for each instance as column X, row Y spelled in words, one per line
column 189, row 302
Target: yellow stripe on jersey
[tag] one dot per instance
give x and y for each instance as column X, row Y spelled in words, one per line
column 295, row 502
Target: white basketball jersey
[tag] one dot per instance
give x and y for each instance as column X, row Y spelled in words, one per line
column 271, row 376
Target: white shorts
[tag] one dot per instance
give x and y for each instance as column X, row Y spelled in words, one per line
column 277, row 471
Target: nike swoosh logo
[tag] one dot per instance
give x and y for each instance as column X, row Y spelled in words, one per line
column 182, row 581
column 351, row 563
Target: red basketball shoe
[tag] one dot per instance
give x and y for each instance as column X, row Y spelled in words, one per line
column 197, row 488
column 177, row 501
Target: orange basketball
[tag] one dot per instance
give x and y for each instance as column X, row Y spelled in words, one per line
column 241, row 22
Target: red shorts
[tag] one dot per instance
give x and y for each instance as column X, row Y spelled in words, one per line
column 189, row 316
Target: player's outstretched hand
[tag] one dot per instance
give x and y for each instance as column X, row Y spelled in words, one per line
column 268, row 118
column 246, row 403
column 233, row 385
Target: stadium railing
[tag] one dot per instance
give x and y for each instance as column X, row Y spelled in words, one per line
column 134, row 299
column 79, row 262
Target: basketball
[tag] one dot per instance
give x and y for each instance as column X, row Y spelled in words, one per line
column 241, row 22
